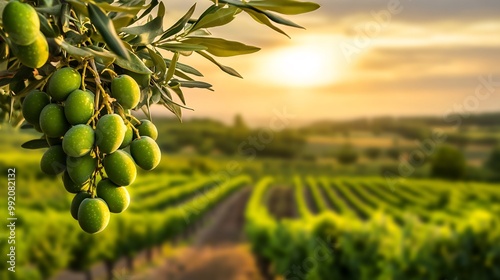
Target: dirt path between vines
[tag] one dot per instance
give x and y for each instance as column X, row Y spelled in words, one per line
column 218, row 251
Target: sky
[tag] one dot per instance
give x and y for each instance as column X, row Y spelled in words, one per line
column 357, row 58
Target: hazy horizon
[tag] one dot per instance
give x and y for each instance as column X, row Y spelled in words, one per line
column 159, row 112
column 356, row 59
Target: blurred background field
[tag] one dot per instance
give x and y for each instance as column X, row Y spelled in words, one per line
column 357, row 199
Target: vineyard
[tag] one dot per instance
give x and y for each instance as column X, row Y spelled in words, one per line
column 303, row 227
column 165, row 208
column 346, row 228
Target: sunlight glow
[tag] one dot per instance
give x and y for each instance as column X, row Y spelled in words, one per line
column 302, row 66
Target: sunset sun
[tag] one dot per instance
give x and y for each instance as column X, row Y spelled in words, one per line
column 303, row 66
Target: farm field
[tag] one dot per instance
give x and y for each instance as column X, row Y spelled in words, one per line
column 270, row 219
column 345, row 228
column 164, row 208
column 315, row 226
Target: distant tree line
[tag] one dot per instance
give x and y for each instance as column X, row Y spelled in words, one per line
column 415, row 127
column 206, row 136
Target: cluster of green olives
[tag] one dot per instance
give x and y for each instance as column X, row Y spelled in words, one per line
column 22, row 26
column 87, row 142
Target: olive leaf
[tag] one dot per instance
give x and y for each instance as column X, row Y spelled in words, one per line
column 175, row 86
column 122, row 20
column 182, row 75
column 226, row 69
column 78, row 53
column 268, row 14
column 115, row 8
column 221, row 47
column 151, row 7
column 261, row 18
column 286, row 7
column 166, row 94
column 145, row 34
column 133, row 63
column 105, row 26
column 160, row 65
column 179, row 47
column 185, row 68
column 46, row 27
column 216, row 15
column 35, row 144
column 179, row 25
column 194, row 84
column 171, row 68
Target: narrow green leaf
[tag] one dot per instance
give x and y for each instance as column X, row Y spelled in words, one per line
column 52, row 10
column 122, row 9
column 175, row 109
column 76, row 52
column 148, row 27
column 279, row 19
column 74, row 38
column 64, row 18
column 194, row 84
column 171, row 106
column 182, row 75
column 109, row 6
column 221, row 47
column 270, row 15
column 152, row 5
column 35, row 144
column 181, row 47
column 145, row 95
column 166, row 95
column 45, row 27
column 226, row 69
column 261, row 18
column 156, row 96
column 286, row 7
column 145, row 34
column 179, row 25
column 216, row 16
column 101, row 55
column 176, row 87
column 171, row 67
column 167, row 102
column 105, row 27
column 235, row 3
column 134, row 63
column 185, row 68
column 122, row 20
column 160, row 65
